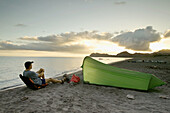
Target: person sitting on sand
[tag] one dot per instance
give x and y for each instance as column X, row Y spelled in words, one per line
column 38, row 77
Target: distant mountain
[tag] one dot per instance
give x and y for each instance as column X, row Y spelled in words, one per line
column 124, row 53
column 101, row 55
column 164, row 52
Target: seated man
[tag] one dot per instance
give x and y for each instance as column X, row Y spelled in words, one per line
column 38, row 77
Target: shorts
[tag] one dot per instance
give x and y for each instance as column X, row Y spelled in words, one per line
column 43, row 81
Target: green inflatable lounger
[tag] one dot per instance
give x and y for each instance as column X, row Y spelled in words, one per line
column 95, row 72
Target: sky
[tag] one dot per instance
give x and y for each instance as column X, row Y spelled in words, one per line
column 73, row 28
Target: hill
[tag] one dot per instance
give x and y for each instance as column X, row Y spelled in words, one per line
column 164, row 52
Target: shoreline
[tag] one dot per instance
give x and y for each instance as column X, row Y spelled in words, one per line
column 23, row 85
column 55, row 76
column 83, row 98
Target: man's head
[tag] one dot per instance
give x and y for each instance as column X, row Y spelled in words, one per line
column 28, row 64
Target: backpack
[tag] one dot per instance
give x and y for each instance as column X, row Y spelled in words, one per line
column 75, row 79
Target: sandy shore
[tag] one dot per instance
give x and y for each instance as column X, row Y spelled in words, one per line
column 91, row 98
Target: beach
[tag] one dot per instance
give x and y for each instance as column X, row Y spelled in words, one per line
column 85, row 98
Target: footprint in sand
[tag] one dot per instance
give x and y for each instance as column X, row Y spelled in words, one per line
column 50, row 101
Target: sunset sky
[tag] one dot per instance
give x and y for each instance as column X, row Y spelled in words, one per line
column 71, row 28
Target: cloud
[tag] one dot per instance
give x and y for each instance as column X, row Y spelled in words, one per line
column 138, row 40
column 64, row 42
column 86, row 41
column 45, row 47
column 167, row 34
column 64, row 38
column 20, row 25
column 120, row 2
column 28, row 38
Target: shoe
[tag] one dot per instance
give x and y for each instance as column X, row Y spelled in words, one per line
column 62, row 81
column 65, row 76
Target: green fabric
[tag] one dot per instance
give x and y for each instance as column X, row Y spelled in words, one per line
column 95, row 72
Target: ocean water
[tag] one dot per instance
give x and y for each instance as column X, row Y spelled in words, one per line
column 11, row 67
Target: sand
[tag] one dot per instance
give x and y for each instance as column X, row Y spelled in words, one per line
column 85, row 98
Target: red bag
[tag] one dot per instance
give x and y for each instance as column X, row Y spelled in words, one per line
column 75, row 79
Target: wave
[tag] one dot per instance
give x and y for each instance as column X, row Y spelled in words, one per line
column 3, row 81
column 10, row 87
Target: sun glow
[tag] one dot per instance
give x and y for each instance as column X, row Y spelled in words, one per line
column 103, row 46
column 87, row 42
column 162, row 44
column 156, row 46
column 109, row 47
column 100, row 46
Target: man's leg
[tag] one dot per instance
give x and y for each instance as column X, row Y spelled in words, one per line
column 53, row 80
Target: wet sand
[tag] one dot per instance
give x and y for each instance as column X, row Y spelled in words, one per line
column 85, row 98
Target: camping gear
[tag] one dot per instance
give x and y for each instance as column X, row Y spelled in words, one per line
column 95, row 72
column 30, row 83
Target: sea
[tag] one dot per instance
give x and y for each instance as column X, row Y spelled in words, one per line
column 11, row 67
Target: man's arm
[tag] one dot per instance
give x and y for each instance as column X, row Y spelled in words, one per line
column 41, row 74
column 39, row 71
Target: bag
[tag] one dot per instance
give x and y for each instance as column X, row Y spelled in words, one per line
column 75, row 79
